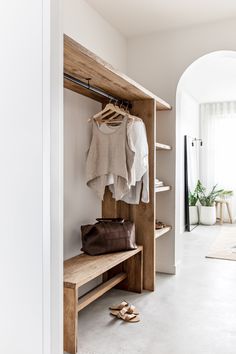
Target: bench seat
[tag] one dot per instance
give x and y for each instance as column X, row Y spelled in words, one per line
column 121, row 269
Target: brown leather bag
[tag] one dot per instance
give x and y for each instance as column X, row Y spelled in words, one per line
column 108, row 235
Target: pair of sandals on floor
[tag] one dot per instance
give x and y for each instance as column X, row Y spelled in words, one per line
column 125, row 312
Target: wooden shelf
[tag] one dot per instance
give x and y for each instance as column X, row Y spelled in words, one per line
column 162, row 189
column 82, row 64
column 160, row 146
column 161, row 232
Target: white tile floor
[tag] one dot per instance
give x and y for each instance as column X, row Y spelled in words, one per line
column 193, row 312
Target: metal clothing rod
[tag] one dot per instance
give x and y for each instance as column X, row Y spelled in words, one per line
column 96, row 90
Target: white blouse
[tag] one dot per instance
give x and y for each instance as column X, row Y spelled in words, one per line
column 109, row 160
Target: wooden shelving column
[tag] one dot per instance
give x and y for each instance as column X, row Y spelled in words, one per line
column 166, row 229
column 82, row 64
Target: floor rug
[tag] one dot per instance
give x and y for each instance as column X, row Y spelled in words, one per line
column 224, row 246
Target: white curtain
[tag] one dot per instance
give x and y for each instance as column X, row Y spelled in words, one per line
column 218, row 153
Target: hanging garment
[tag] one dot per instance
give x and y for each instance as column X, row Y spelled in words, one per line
column 109, row 160
column 137, row 139
column 139, row 173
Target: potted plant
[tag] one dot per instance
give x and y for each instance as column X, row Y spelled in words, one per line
column 207, row 201
column 193, row 209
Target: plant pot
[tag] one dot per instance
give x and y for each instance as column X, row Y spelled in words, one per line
column 193, row 215
column 207, row 215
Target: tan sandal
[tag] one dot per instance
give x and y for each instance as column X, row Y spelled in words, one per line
column 130, row 309
column 119, row 306
column 123, row 315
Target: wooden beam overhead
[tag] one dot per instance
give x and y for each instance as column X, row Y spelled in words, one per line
column 82, row 64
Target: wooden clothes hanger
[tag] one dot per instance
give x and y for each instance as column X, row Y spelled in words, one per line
column 103, row 113
column 125, row 112
column 109, row 114
column 110, row 107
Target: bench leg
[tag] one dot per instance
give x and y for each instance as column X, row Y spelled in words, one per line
column 70, row 320
column 134, row 269
column 229, row 212
column 221, row 213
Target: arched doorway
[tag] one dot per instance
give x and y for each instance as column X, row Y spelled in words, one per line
column 211, row 78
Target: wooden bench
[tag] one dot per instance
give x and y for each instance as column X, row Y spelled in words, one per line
column 121, row 269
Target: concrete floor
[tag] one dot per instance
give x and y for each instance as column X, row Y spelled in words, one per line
column 193, row 312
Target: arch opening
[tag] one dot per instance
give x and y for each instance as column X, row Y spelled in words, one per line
column 209, row 80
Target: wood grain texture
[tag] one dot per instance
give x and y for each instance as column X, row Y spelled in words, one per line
column 113, row 209
column 133, row 267
column 100, row 290
column 83, row 91
column 70, row 320
column 134, row 270
column 144, row 214
column 83, row 64
column 109, row 205
column 81, row 269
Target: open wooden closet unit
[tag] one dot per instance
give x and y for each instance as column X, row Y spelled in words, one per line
column 87, row 74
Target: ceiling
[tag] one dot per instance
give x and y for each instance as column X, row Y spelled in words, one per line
column 138, row 17
column 212, row 78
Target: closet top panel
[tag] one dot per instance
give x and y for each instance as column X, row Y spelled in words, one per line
column 82, row 64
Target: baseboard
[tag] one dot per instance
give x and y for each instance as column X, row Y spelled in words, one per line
column 169, row 268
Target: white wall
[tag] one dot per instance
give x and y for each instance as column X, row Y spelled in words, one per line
column 189, row 115
column 189, row 121
column 81, row 205
column 85, row 25
column 25, row 205
column 157, row 61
